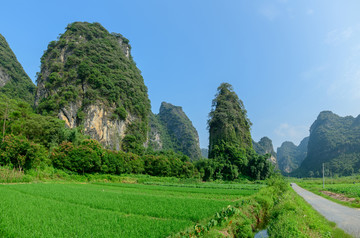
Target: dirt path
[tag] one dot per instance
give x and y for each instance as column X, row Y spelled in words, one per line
column 346, row 218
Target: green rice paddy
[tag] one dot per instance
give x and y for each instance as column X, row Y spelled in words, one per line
column 109, row 209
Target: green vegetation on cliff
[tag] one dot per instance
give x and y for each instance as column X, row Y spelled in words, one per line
column 21, row 120
column 37, row 142
column 171, row 129
column 89, row 66
column 14, row 82
column 230, row 145
column 228, row 120
column 334, row 141
column 291, row 156
column 180, row 135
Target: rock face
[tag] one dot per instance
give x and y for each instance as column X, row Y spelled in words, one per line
column 204, row 152
column 158, row 136
column 172, row 129
column 334, row 141
column 89, row 79
column 265, row 146
column 290, row 156
column 14, row 82
column 4, row 78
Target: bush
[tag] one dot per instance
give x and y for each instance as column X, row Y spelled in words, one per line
column 20, row 153
column 84, row 158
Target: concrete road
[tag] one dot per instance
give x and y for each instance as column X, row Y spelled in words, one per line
column 346, row 218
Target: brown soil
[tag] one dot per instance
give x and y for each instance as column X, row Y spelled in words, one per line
column 338, row 196
column 225, row 233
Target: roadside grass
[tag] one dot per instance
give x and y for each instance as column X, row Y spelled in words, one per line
column 110, row 210
column 276, row 208
column 50, row 174
column 294, row 217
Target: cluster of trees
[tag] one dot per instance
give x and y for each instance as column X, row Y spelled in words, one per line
column 229, row 163
column 22, row 154
column 90, row 157
column 34, row 141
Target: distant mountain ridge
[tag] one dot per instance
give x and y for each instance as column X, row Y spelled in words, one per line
column 334, row 141
column 265, row 146
column 290, row 156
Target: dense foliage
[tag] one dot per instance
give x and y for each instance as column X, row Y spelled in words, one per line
column 230, row 144
column 19, row 119
column 230, row 163
column 334, row 141
column 22, row 154
column 291, row 156
column 90, row 157
column 30, row 137
column 228, row 120
column 19, row 85
column 87, row 65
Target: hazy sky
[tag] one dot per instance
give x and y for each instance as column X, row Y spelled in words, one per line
column 287, row 60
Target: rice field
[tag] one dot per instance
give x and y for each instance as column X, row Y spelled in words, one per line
column 351, row 190
column 110, row 209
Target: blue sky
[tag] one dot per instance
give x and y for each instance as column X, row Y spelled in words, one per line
column 287, row 60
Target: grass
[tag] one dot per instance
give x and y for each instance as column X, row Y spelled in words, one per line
column 279, row 209
column 110, row 210
column 57, row 204
column 294, row 217
column 346, row 186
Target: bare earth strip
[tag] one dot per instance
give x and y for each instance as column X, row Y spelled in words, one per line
column 346, row 218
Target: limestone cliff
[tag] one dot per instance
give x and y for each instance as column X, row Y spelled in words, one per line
column 14, row 82
column 291, row 156
column 89, row 79
column 265, row 146
column 172, row 129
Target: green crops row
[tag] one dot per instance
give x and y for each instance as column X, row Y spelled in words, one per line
column 106, row 210
column 352, row 190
